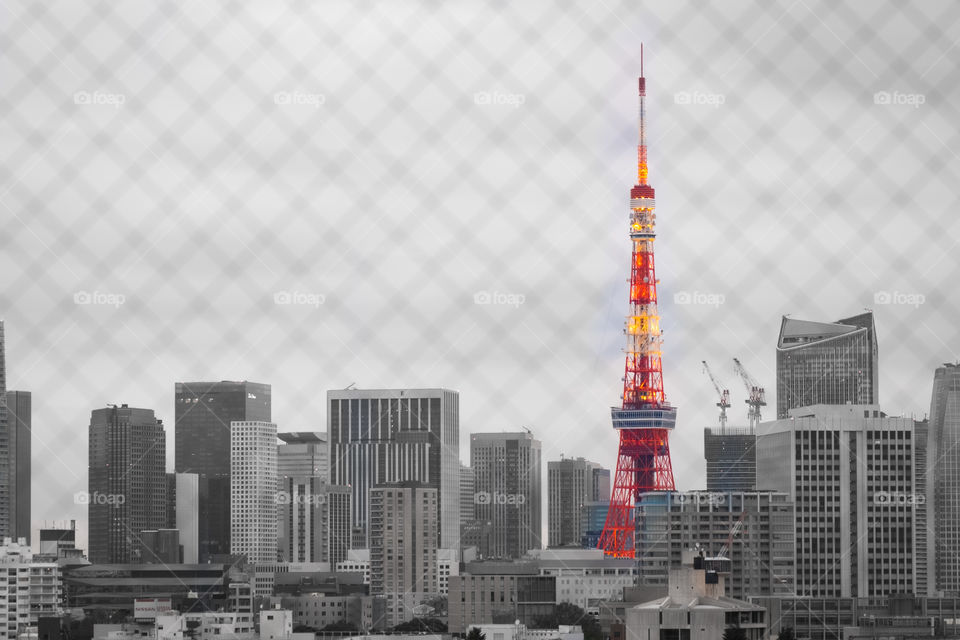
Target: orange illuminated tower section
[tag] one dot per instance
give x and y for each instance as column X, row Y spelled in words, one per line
column 645, row 419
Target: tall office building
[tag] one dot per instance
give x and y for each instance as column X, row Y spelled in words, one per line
column 468, row 487
column 384, row 436
column 852, row 473
column 253, row 491
column 15, row 416
column 761, row 550
column 303, row 454
column 731, row 457
column 203, row 413
column 16, row 442
column 314, row 520
column 127, row 481
column 827, row 363
column 508, row 485
column 573, row 484
column 942, row 481
column 403, row 546
column 183, row 512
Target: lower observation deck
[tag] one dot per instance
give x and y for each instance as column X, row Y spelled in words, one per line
column 663, row 417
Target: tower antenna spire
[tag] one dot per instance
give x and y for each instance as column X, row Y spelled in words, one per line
column 644, row 419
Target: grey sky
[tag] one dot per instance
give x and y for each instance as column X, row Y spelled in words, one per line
column 390, row 189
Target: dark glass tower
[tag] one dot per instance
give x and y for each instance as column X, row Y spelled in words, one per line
column 128, row 482
column 15, row 418
column 203, row 413
column 826, row 363
column 943, row 481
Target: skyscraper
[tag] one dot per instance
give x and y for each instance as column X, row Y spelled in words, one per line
column 852, row 473
column 253, row 490
column 385, row 436
column 15, row 435
column 826, row 363
column 303, row 454
column 943, row 481
column 203, row 413
column 403, row 546
column 761, row 550
column 468, row 487
column 573, row 484
column 731, row 456
column 508, row 492
column 18, row 434
column 314, row 520
column 128, row 483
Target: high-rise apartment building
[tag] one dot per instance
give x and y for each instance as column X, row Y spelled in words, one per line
column 314, row 520
column 508, row 492
column 403, row 546
column 731, row 457
column 761, row 549
column 203, row 413
column 127, row 481
column 942, row 482
column 852, row 473
column 573, row 485
column 385, row 436
column 253, row 491
column 303, row 454
column 827, row 363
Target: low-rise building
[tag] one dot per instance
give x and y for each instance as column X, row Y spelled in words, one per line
column 695, row 608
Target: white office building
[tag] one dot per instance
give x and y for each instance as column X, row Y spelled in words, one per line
column 253, row 491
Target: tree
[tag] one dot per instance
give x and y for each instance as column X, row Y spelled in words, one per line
column 734, row 633
column 476, row 634
column 787, row 634
column 567, row 613
column 340, row 625
column 421, row 625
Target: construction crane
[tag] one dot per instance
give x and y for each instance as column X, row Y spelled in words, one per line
column 724, row 395
column 734, row 532
column 756, row 396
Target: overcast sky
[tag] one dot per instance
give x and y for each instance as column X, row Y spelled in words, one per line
column 182, row 167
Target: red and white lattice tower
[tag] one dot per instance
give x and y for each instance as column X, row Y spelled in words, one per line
column 645, row 419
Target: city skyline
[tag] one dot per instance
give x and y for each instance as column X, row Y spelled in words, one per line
column 398, row 307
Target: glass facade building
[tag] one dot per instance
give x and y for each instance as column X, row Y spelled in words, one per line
column 731, row 456
column 943, row 479
column 127, row 482
column 203, row 413
column 826, row 363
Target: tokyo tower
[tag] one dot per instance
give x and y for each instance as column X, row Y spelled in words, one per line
column 645, row 419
